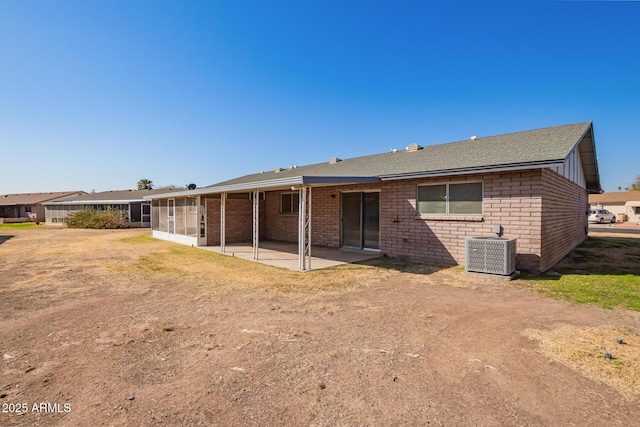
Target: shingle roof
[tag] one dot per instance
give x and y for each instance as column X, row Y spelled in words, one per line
column 113, row 196
column 33, row 198
column 615, row 197
column 518, row 150
column 545, row 145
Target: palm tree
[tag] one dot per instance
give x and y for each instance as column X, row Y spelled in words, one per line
column 145, row 184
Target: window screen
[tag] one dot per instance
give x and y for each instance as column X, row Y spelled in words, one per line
column 432, row 199
column 450, row 199
column 465, row 198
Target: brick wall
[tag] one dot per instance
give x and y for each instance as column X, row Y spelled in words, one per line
column 564, row 225
column 512, row 200
column 213, row 222
column 325, row 215
column 540, row 208
column 238, row 221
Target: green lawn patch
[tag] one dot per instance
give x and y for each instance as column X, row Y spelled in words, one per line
column 140, row 238
column 601, row 271
column 18, row 226
column 604, row 290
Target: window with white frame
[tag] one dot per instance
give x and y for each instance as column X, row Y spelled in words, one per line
column 289, row 202
column 450, row 199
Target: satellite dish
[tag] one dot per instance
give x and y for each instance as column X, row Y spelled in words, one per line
column 191, row 186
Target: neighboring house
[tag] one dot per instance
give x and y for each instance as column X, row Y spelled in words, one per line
column 419, row 203
column 28, row 207
column 136, row 209
column 625, row 205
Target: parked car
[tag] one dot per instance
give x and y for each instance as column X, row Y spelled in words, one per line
column 601, row 216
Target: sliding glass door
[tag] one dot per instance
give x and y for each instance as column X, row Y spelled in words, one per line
column 361, row 220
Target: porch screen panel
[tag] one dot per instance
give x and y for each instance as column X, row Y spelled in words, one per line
column 136, row 212
column 192, row 217
column 180, row 216
column 155, row 214
column 432, row 199
column 465, row 199
column 163, row 215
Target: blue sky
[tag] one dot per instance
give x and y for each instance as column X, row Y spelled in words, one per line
column 95, row 95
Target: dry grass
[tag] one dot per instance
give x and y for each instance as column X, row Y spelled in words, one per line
column 221, row 273
column 583, row 349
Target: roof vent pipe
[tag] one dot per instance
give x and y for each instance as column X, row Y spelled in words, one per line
column 413, row 147
column 278, row 170
column 473, row 138
column 334, row 160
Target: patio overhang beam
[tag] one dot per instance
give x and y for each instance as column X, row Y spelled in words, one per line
column 95, row 202
column 271, row 184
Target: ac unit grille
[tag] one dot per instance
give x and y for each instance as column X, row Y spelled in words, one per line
column 495, row 255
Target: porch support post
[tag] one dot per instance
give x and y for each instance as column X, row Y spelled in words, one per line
column 223, row 198
column 308, row 251
column 198, row 220
column 256, row 222
column 304, row 228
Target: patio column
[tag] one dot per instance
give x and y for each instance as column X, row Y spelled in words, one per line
column 223, row 198
column 304, row 228
column 256, row 222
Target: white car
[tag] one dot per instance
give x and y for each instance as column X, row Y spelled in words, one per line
column 601, row 216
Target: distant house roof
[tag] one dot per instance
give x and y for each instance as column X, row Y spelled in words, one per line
column 34, row 198
column 514, row 151
column 110, row 197
column 615, row 197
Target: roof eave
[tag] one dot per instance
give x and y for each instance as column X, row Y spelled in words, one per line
column 468, row 171
column 271, row 184
column 593, row 185
column 94, row 202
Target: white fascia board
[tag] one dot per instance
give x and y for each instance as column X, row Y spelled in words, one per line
column 269, row 183
column 95, row 202
column 253, row 185
column 487, row 169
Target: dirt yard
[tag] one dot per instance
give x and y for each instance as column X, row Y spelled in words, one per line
column 99, row 328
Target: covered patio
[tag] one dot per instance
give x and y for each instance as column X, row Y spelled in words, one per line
column 268, row 222
column 285, row 255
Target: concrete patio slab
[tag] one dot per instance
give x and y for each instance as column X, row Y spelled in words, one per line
column 285, row 255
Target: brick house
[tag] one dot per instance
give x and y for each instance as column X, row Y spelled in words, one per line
column 131, row 203
column 419, row 203
column 624, row 204
column 28, row 207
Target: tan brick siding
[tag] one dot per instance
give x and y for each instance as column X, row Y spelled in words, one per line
column 564, row 214
column 238, row 221
column 511, row 200
column 540, row 208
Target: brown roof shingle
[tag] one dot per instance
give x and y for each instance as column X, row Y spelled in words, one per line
column 615, row 197
column 34, row 198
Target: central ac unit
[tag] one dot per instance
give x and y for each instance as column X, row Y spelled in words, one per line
column 495, row 255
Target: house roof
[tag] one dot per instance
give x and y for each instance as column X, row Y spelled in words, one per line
column 110, row 197
column 34, row 198
column 616, row 197
column 520, row 150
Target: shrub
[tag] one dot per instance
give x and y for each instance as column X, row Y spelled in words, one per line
column 91, row 218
